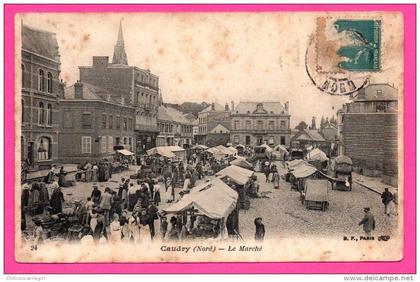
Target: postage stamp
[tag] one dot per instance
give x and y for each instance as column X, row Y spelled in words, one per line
column 346, row 52
column 216, row 142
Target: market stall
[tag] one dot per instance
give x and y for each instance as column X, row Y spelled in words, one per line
column 238, row 178
column 206, row 209
column 299, row 173
column 242, row 162
column 169, row 152
column 317, row 158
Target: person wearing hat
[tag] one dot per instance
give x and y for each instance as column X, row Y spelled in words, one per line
column 259, row 229
column 106, row 204
column 387, row 198
column 96, row 194
column 368, row 222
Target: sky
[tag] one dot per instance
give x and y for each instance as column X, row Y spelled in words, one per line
column 218, row 57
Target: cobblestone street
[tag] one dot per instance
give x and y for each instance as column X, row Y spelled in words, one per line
column 282, row 212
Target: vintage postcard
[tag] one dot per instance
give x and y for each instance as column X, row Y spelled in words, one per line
column 270, row 136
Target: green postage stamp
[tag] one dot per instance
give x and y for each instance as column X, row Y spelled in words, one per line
column 342, row 53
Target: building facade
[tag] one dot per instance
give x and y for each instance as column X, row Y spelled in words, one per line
column 209, row 118
column 257, row 123
column 139, row 87
column 219, row 135
column 92, row 123
column 174, row 128
column 368, row 131
column 40, row 72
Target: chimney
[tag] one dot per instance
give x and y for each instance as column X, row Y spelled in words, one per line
column 227, row 107
column 286, row 106
column 78, row 90
column 100, row 61
column 61, row 86
column 212, row 106
column 232, row 106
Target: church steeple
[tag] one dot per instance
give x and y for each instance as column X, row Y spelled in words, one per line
column 120, row 57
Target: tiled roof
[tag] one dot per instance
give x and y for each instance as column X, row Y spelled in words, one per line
column 90, row 92
column 313, row 135
column 250, row 107
column 217, row 107
column 41, row 42
column 171, row 114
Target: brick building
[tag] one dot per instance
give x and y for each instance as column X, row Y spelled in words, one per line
column 209, row 118
column 139, row 87
column 368, row 131
column 256, row 123
column 92, row 122
column 40, row 70
column 175, row 129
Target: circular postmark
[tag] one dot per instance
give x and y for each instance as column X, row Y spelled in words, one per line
column 342, row 54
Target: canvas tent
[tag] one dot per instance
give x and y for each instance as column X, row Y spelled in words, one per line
column 213, row 199
column 168, row 151
column 125, row 152
column 233, row 150
column 292, row 164
column 316, row 155
column 267, row 148
column 237, row 174
column 200, row 147
column 303, row 170
column 316, row 190
column 242, row 162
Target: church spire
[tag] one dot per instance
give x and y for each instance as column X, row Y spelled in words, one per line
column 120, row 57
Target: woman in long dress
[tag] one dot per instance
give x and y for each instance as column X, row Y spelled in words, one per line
column 276, row 180
column 56, row 202
column 115, row 230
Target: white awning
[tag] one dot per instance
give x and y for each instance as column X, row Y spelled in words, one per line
column 125, row 152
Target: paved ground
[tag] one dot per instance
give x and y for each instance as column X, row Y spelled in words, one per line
column 282, row 213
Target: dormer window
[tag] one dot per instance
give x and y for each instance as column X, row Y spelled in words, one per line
column 259, row 107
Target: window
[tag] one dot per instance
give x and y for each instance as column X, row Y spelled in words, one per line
column 44, row 149
column 23, row 76
column 68, row 119
column 236, row 139
column 103, row 144
column 283, row 124
column 41, row 80
column 282, row 140
column 49, row 114
column 248, row 124
column 236, row 124
column 41, row 113
column 103, row 121
column 50, row 83
column 271, row 140
column 23, row 110
column 86, row 120
column 86, row 144
column 110, row 144
column 271, row 125
column 117, row 141
column 136, row 98
column 111, row 122
column 125, row 124
column 260, row 124
column 125, row 140
column 130, row 124
column 118, row 121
